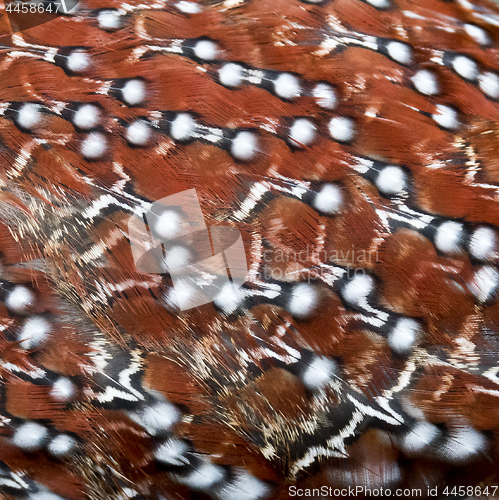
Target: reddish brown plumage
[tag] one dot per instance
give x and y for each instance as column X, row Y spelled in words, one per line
column 290, row 378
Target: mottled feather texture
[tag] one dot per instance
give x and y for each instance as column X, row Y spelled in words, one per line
column 354, row 145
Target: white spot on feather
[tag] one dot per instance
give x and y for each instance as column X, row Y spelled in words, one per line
column 302, row 132
column 446, row 117
column 229, row 298
column 448, row 237
column 400, row 52
column 243, row 487
column 62, row 445
column 356, row 291
column 324, row 95
column 19, row 299
column 426, row 82
column 177, row 257
column 484, row 283
column 203, row 478
column 379, row 4
column 78, row 61
column 168, row 225
column 231, row 75
column 86, row 116
column 134, row 92
column 329, row 199
column 29, row 116
column 244, row 146
column 463, row 446
column 30, row 436
column 303, row 301
column 465, row 67
column 419, row 438
column 478, row 34
column 483, row 243
column 206, row 50
column 342, row 128
column 188, row 7
column 63, row 389
column 34, row 332
column 94, row 146
column 404, row 335
column 318, row 373
column 157, row 418
column 109, row 19
column 183, row 127
column 391, row 181
column 171, row 452
column 138, row 133
column 489, row 84
column 287, row 86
